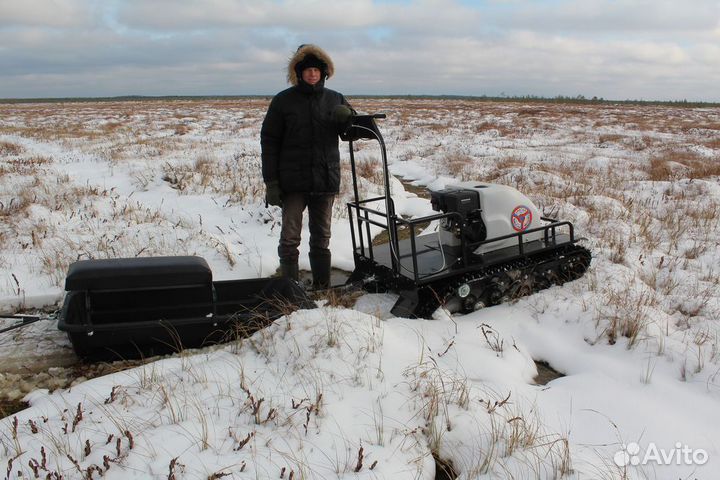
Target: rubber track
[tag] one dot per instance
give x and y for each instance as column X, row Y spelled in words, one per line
column 440, row 293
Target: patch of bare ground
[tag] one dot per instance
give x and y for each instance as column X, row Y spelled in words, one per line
column 58, row 371
column 546, row 373
column 9, row 407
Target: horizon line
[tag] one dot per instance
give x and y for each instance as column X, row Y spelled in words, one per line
column 536, row 98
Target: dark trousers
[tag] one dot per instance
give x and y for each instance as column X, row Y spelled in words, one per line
column 320, row 219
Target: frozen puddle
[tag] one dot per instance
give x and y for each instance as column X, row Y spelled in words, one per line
column 37, row 364
column 32, row 357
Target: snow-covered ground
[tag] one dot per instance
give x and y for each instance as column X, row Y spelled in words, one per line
column 355, row 392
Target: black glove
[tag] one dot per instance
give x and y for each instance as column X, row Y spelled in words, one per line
column 273, row 194
column 342, row 115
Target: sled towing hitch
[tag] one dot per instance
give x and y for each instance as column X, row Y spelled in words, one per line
column 24, row 321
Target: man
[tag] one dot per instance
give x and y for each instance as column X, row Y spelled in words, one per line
column 301, row 159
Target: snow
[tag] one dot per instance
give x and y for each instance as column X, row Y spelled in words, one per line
column 355, row 392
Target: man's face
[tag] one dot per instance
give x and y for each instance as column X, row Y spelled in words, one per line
column 311, row 75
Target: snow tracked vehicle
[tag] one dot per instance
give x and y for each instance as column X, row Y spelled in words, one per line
column 487, row 244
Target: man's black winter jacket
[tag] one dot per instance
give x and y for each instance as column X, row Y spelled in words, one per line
column 299, row 140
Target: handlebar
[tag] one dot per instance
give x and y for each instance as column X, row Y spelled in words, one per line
column 369, row 115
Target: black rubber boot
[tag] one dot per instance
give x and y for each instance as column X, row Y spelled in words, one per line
column 320, row 266
column 289, row 269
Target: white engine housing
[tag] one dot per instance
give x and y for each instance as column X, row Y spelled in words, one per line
column 504, row 210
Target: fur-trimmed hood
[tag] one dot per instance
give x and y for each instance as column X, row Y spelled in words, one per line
column 299, row 56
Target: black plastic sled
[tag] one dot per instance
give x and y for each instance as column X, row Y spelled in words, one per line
column 136, row 307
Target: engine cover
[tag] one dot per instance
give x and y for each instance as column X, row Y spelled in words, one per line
column 501, row 209
column 462, row 201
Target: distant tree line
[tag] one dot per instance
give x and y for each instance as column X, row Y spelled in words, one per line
column 578, row 99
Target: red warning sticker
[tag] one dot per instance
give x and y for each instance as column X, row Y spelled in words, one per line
column 521, row 218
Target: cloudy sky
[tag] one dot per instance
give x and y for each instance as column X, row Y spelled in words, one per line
column 614, row 49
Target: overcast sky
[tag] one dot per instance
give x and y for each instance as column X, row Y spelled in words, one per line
column 613, row 49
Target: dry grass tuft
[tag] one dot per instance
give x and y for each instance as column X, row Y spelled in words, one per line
column 181, row 129
column 342, row 298
column 459, row 165
column 713, row 143
column 676, row 163
column 10, row 149
column 370, row 169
